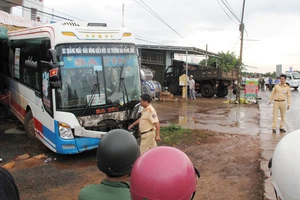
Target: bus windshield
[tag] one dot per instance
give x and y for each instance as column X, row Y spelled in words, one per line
column 98, row 74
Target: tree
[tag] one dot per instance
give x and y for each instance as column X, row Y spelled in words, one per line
column 226, row 61
column 211, row 62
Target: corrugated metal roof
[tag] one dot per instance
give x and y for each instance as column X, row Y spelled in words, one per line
column 178, row 49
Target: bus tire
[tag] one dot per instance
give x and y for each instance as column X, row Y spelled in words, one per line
column 29, row 125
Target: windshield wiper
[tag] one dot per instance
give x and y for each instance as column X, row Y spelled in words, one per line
column 95, row 87
column 122, row 82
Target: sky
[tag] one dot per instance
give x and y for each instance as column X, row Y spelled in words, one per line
column 271, row 37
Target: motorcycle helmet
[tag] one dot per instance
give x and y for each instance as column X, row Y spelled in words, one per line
column 117, row 152
column 8, row 187
column 163, row 173
column 285, row 167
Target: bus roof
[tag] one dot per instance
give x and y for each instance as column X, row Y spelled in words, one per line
column 75, row 32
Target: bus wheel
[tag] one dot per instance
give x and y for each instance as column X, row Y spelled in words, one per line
column 29, row 125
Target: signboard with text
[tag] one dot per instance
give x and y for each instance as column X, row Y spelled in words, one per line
column 251, row 88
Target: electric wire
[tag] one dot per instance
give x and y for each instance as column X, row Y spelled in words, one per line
column 148, row 40
column 25, row 9
column 56, row 11
column 226, row 13
column 38, row 10
column 152, row 12
column 230, row 10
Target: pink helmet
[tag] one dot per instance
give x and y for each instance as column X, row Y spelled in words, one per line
column 163, row 173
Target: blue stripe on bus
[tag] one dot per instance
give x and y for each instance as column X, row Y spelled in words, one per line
column 84, row 144
column 49, row 135
column 80, row 144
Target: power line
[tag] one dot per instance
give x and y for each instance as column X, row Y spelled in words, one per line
column 151, row 11
column 226, row 12
column 56, row 11
column 150, row 40
column 39, row 11
column 145, row 40
column 230, row 10
column 25, row 9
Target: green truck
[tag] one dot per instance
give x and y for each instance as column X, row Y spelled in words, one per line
column 209, row 81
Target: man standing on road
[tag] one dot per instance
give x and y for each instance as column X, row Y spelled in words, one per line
column 148, row 125
column 116, row 154
column 280, row 94
column 277, row 81
column 270, row 83
column 191, row 82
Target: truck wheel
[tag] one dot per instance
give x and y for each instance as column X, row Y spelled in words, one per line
column 222, row 92
column 29, row 125
column 173, row 88
column 207, row 91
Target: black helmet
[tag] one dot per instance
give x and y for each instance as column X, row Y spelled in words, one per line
column 117, row 152
column 8, row 188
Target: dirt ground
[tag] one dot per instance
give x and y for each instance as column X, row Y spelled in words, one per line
column 228, row 163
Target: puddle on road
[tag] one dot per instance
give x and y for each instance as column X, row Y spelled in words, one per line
column 237, row 120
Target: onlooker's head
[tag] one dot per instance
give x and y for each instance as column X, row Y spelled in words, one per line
column 117, row 152
column 145, row 100
column 285, row 167
column 8, row 188
column 191, row 76
column 163, row 173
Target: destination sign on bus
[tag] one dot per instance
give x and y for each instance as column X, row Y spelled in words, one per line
column 97, row 50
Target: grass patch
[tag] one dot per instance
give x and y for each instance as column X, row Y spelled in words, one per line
column 175, row 135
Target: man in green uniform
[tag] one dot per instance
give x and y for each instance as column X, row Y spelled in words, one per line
column 116, row 154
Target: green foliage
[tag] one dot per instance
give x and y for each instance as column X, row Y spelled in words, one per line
column 174, row 135
column 211, row 62
column 226, row 61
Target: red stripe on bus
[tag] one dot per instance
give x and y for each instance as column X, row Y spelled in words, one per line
column 38, row 125
column 18, row 108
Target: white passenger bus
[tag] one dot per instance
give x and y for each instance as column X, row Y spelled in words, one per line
column 71, row 82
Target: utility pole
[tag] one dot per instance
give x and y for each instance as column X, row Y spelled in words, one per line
column 238, row 94
column 123, row 5
column 206, row 56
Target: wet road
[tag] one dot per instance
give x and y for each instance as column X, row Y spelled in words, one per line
column 212, row 114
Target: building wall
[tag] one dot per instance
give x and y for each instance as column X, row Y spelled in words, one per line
column 6, row 7
column 34, row 4
column 150, row 59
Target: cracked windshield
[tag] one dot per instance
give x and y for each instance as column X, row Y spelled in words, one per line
column 98, row 74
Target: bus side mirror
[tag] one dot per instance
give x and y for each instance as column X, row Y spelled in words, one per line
column 55, row 84
column 51, row 53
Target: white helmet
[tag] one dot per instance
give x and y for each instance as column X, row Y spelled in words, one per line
column 285, row 167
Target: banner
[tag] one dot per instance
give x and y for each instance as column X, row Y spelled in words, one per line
column 251, row 88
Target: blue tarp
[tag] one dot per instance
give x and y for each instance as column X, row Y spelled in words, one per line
column 3, row 33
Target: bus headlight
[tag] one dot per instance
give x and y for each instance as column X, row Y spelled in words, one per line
column 65, row 131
